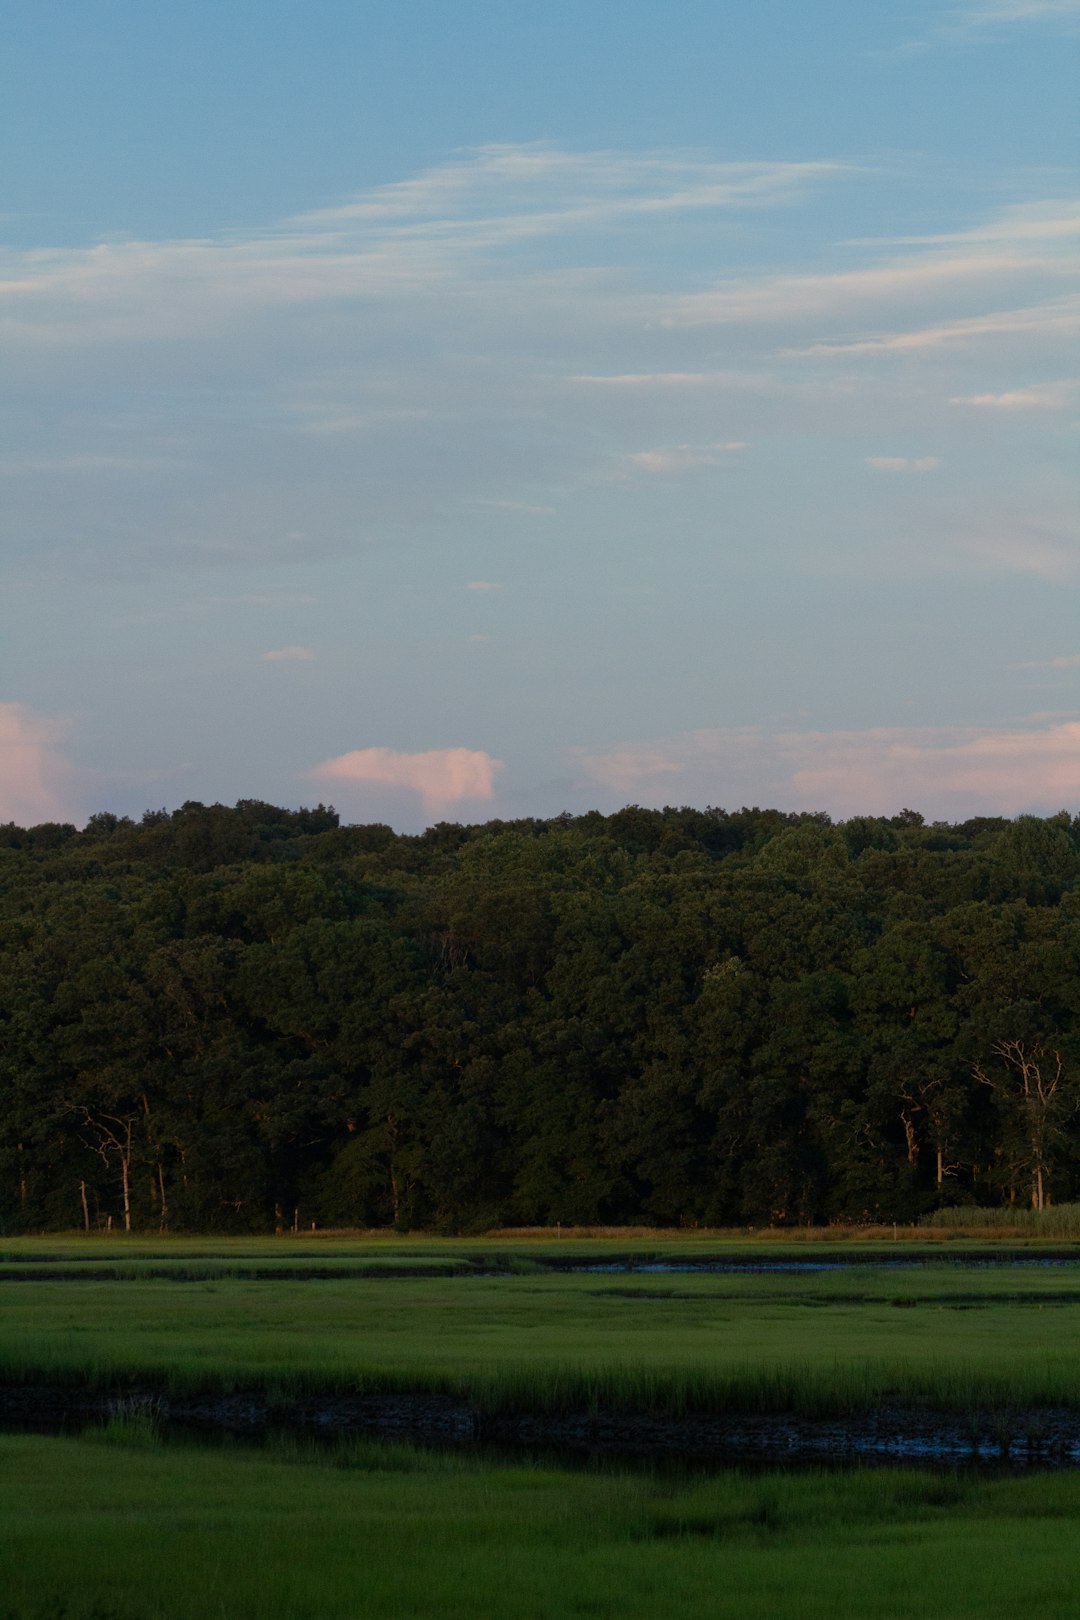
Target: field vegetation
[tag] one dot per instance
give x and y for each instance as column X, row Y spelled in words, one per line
column 122, row 1527
column 513, row 1334
column 124, row 1520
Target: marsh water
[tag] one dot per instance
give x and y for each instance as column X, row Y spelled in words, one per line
column 1017, row 1438
column 1015, row 1261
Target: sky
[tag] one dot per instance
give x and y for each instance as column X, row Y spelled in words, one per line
column 464, row 410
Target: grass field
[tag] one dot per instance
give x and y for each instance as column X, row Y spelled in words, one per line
column 954, row 1336
column 121, row 1524
column 122, row 1528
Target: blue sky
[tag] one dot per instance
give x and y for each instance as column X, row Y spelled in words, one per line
column 459, row 410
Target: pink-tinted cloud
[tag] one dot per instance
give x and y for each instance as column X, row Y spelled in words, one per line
column 1004, row 770
column 37, row 783
column 944, row 771
column 289, row 655
column 1062, row 661
column 440, row 776
column 681, row 457
column 1041, row 397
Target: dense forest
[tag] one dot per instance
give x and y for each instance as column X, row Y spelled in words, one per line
column 236, row 1019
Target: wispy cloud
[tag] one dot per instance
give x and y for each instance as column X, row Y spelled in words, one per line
column 970, row 23
column 526, row 508
column 541, row 189
column 1052, row 320
column 13, row 466
column 302, row 377
column 1049, row 220
column 1041, row 397
column 411, row 239
column 483, row 585
column 654, row 379
column 289, row 655
column 1063, row 661
column 989, row 13
column 1040, row 555
column 903, row 463
column 683, row 457
column 913, row 279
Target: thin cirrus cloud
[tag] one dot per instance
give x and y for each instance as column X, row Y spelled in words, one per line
column 962, row 24
column 903, row 463
column 594, row 364
column 682, row 457
column 1043, row 397
column 1046, row 322
column 913, row 279
column 991, row 12
column 416, row 238
column 1043, row 324
column 1042, row 554
column 289, row 655
column 947, row 771
column 441, row 777
column 572, row 367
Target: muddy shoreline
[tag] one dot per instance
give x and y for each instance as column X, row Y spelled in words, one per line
column 1021, row 1438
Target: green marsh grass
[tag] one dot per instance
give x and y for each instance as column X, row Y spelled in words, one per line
column 825, row 1343
column 94, row 1528
column 1057, row 1222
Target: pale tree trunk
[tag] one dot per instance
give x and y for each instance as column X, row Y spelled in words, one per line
column 1038, row 1095
column 115, row 1141
column 909, row 1137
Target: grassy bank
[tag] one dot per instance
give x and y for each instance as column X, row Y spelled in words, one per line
column 121, row 1528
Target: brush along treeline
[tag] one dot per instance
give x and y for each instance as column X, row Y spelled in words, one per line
column 249, row 1018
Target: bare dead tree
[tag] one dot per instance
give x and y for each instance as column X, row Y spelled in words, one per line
column 1032, row 1086
column 112, row 1139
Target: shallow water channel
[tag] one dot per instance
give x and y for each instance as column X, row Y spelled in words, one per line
column 1008, row 1260
column 1019, row 1438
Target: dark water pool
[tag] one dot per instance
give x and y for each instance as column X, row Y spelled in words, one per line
column 1020, row 1439
column 806, row 1267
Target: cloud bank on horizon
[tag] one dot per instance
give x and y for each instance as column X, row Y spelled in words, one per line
column 555, row 472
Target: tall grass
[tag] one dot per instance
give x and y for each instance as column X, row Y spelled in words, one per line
column 553, row 1390
column 1060, row 1221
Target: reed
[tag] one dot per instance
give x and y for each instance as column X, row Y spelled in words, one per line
column 1059, row 1222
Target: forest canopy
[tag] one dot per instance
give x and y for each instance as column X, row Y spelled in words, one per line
column 240, row 1019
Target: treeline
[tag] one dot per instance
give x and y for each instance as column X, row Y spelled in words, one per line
column 236, row 1019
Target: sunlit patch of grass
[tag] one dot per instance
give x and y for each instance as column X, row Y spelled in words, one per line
column 1057, row 1222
